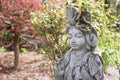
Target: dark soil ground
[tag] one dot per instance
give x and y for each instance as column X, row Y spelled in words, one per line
column 33, row 66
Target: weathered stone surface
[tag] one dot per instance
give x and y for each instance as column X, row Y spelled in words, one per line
column 81, row 62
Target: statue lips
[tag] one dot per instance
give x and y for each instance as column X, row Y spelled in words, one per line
column 73, row 45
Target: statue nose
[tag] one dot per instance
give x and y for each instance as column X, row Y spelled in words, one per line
column 73, row 40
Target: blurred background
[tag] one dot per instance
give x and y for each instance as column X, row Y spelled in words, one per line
column 40, row 25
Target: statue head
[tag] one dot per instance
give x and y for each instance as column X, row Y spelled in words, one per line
column 76, row 38
column 81, row 35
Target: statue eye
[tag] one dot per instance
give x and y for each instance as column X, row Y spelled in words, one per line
column 69, row 36
column 79, row 35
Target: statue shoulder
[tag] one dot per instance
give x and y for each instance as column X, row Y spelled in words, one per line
column 97, row 59
column 67, row 54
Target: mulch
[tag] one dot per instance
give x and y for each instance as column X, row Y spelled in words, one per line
column 33, row 66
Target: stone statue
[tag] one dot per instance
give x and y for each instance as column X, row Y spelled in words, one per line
column 81, row 62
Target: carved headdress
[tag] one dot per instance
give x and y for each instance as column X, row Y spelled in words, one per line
column 81, row 19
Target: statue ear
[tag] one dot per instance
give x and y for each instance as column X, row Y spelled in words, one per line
column 91, row 39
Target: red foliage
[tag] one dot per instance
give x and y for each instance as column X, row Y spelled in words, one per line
column 17, row 13
column 1, row 26
column 59, row 2
column 62, row 2
column 1, row 21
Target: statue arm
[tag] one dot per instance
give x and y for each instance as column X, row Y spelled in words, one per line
column 60, row 67
column 96, row 67
column 59, row 70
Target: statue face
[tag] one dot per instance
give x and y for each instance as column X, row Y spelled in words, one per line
column 76, row 39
